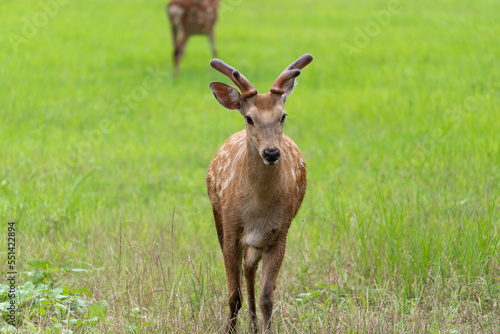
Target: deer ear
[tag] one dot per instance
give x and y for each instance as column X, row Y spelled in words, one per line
column 288, row 86
column 227, row 95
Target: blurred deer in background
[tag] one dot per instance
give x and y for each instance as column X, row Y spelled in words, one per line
column 191, row 17
column 256, row 183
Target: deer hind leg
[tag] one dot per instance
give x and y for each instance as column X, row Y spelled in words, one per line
column 252, row 258
column 232, row 261
column 270, row 269
column 179, row 51
column 179, row 38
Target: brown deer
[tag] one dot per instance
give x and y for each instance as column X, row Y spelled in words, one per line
column 191, row 17
column 256, row 183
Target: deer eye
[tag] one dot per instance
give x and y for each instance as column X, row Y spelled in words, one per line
column 283, row 118
column 249, row 120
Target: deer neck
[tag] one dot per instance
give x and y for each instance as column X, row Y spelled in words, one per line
column 263, row 179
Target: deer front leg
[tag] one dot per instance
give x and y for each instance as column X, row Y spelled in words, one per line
column 271, row 266
column 211, row 36
column 232, row 262
column 252, row 258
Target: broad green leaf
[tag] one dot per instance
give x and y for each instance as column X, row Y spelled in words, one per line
column 98, row 309
column 40, row 264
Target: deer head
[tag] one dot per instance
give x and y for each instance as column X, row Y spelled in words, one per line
column 264, row 113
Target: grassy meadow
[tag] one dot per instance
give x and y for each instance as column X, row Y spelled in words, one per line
column 103, row 157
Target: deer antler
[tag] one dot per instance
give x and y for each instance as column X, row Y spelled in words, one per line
column 246, row 88
column 290, row 72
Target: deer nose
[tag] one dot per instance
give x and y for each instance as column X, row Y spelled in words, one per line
column 272, row 156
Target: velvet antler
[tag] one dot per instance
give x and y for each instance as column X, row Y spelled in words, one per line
column 246, row 88
column 283, row 83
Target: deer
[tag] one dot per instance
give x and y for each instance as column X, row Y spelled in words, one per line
column 256, row 183
column 191, row 17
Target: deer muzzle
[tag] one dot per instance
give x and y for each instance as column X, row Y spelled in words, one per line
column 271, row 156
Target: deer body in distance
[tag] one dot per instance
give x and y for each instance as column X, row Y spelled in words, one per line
column 256, row 184
column 191, row 17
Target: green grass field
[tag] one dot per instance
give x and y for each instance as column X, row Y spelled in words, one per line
column 104, row 154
